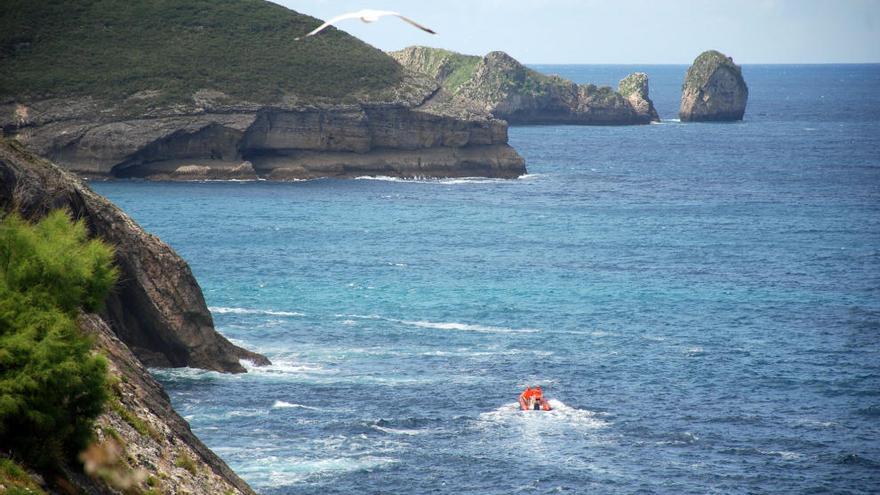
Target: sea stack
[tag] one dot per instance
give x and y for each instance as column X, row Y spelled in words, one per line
column 634, row 88
column 713, row 90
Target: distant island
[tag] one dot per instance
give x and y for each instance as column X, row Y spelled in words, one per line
column 502, row 86
column 225, row 91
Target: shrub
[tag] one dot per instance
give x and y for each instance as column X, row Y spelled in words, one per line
column 186, row 462
column 51, row 385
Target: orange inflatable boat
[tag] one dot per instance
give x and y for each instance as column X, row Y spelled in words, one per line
column 533, row 399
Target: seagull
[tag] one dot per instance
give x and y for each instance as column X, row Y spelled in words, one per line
column 366, row 16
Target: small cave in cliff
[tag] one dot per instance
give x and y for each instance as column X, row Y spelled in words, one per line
column 211, row 146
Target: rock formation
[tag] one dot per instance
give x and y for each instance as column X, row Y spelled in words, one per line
column 157, row 309
column 155, row 316
column 240, row 98
column 508, row 90
column 713, row 89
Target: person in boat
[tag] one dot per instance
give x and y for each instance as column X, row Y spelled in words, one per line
column 533, row 399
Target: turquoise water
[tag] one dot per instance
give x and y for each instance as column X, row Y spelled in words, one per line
column 701, row 301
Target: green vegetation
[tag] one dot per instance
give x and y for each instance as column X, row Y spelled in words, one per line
column 116, row 48
column 51, row 385
column 16, row 479
column 129, row 417
column 454, row 68
column 700, row 71
column 186, row 462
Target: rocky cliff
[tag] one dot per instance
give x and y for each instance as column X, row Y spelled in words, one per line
column 713, row 89
column 226, row 91
column 508, row 90
column 155, row 316
column 157, row 309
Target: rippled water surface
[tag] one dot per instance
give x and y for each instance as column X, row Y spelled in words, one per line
column 701, row 301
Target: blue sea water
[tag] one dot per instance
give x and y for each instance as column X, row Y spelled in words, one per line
column 701, row 301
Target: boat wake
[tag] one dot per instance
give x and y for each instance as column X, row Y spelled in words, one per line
column 561, row 415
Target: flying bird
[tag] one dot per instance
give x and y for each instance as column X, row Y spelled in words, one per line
column 366, row 16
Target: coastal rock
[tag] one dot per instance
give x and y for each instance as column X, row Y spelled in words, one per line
column 502, row 86
column 157, row 308
column 241, row 88
column 713, row 89
column 188, row 144
column 145, row 430
column 634, row 88
column 155, row 316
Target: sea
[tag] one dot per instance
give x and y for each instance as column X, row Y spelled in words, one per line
column 700, row 302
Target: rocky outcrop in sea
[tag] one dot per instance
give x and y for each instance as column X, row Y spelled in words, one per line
column 713, row 89
column 507, row 89
column 155, row 316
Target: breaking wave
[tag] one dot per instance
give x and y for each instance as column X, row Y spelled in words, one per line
column 248, row 311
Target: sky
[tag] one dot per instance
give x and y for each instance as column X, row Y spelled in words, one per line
column 623, row 32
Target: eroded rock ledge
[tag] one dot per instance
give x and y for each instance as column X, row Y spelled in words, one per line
column 438, row 136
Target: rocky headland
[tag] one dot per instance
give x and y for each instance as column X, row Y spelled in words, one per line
column 500, row 85
column 155, row 316
column 227, row 92
column 713, row 90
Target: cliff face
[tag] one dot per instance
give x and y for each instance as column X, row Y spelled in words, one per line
column 157, row 309
column 141, row 441
column 155, row 316
column 226, row 91
column 508, row 90
column 277, row 142
column 713, row 89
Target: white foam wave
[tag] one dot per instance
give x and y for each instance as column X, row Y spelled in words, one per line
column 284, row 367
column 398, row 431
column 280, row 404
column 466, row 327
column 248, row 311
column 788, row 456
column 441, row 325
column 273, row 471
column 560, row 414
column 446, row 181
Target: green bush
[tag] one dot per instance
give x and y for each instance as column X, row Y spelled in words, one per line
column 51, row 385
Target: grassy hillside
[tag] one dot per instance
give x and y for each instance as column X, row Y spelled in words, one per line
column 115, row 48
column 449, row 68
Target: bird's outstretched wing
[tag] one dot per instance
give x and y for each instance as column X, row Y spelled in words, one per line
column 341, row 17
column 414, row 23
column 366, row 16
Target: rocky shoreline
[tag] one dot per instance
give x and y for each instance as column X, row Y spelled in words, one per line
column 155, row 316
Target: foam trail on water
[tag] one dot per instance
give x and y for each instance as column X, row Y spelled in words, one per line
column 466, row 327
column 248, row 311
column 280, row 404
column 561, row 414
column 428, row 180
column 398, row 431
column 442, row 325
